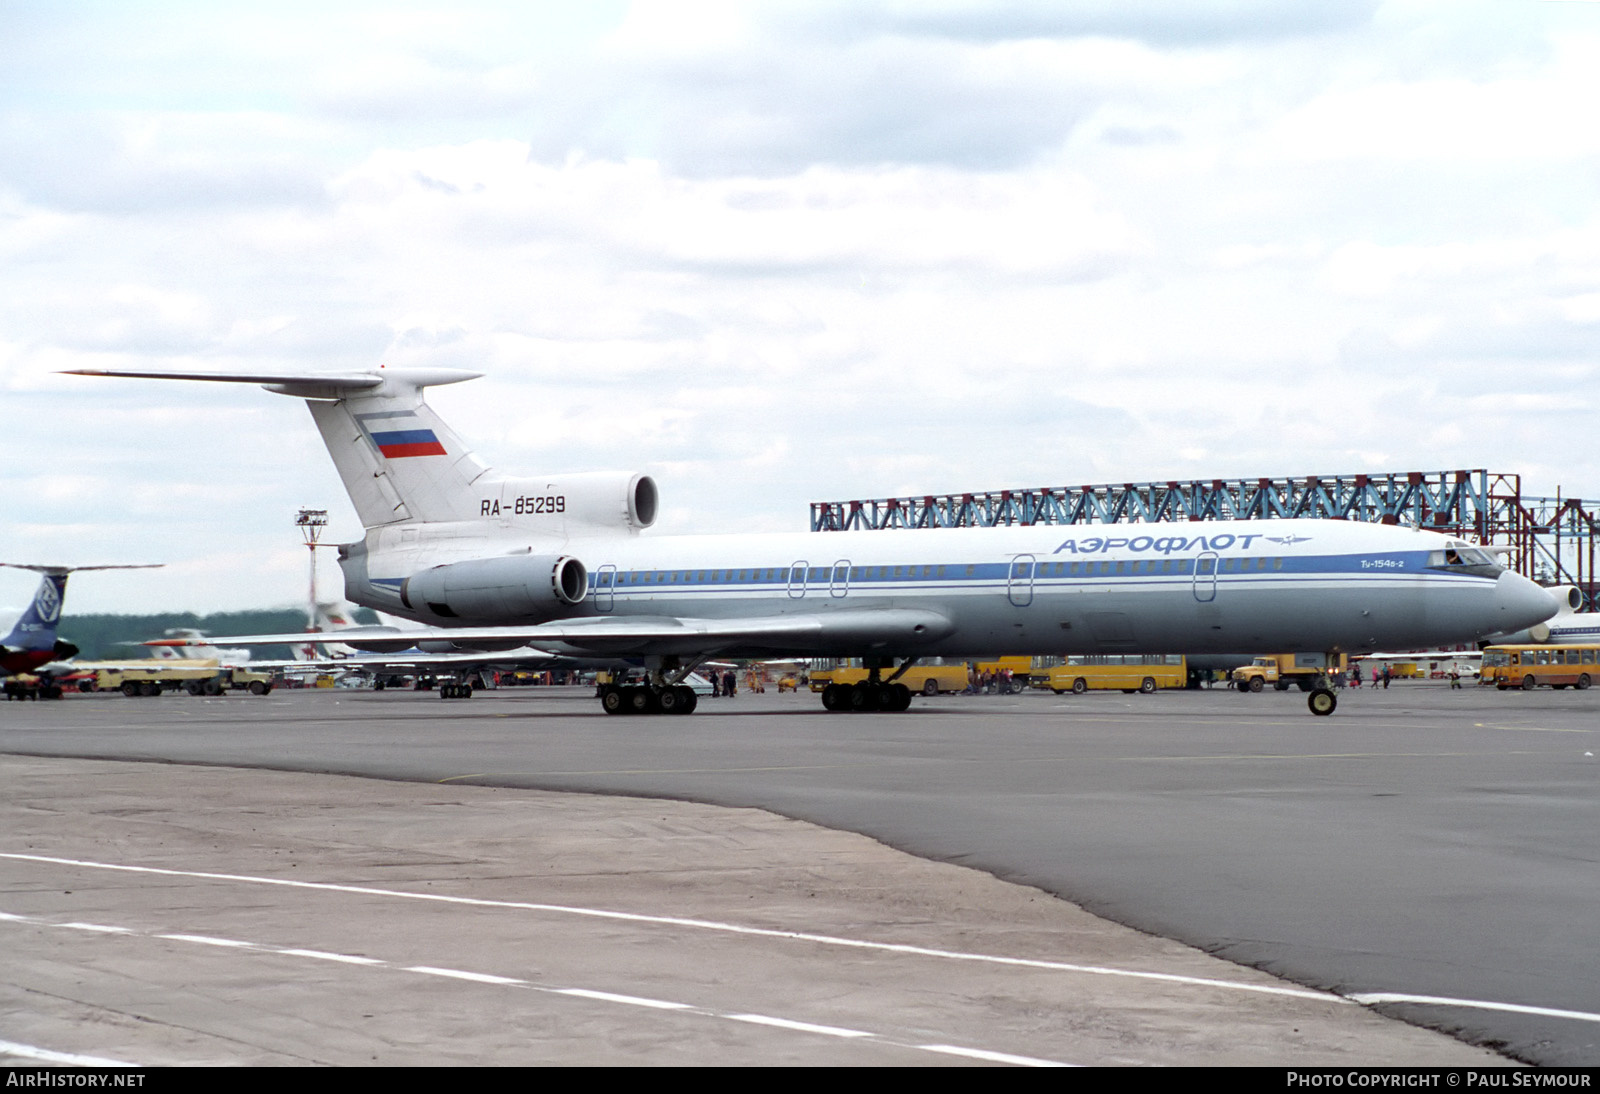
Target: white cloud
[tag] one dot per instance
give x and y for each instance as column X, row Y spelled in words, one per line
column 781, row 254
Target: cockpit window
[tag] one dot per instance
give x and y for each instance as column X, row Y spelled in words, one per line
column 1466, row 558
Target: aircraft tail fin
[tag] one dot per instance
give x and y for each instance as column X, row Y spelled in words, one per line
column 36, row 630
column 397, row 458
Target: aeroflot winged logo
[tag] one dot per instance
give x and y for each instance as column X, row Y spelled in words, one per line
column 1167, row 545
column 389, row 434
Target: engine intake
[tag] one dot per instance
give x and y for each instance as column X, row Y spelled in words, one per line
column 489, row 591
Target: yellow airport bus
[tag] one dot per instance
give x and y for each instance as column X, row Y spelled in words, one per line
column 928, row 677
column 1132, row 672
column 1528, row 667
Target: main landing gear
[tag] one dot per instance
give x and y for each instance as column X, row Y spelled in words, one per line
column 648, row 699
column 663, row 690
column 865, row 697
column 872, row 693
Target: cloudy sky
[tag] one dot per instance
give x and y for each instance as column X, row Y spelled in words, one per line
column 783, row 252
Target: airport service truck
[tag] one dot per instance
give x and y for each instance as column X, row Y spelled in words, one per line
column 195, row 677
column 1305, row 670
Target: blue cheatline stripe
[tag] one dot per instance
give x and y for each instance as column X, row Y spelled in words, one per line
column 959, row 575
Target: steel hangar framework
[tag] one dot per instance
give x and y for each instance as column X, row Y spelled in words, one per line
column 1550, row 539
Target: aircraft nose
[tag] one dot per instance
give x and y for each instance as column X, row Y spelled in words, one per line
column 1521, row 603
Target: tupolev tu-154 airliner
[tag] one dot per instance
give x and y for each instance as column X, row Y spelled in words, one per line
column 560, row 563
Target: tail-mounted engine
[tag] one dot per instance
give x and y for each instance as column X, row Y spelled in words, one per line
column 493, row 591
column 567, row 504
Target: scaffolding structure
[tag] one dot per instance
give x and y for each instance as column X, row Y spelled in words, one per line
column 1549, row 539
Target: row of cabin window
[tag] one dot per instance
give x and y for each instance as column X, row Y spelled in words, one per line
column 1558, row 657
column 1020, row 569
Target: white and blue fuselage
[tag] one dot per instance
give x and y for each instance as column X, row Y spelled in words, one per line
column 1234, row 586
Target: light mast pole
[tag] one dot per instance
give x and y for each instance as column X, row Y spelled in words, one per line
column 311, row 522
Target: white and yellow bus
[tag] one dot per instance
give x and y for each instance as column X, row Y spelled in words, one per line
column 1529, row 667
column 1133, row 672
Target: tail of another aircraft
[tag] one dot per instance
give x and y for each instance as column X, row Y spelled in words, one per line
column 36, row 630
column 35, row 633
column 398, row 459
column 330, row 618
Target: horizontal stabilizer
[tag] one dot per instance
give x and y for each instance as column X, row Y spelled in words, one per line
column 59, row 571
column 306, row 383
column 362, row 379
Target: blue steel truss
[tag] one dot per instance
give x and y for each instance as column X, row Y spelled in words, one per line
column 1551, row 539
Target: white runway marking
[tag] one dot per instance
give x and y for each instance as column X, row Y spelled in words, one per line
column 993, row 1057
column 1372, row 998
column 804, row 1027
column 49, row 1056
column 469, row 976
column 205, row 940
column 323, row 955
column 710, row 925
column 460, row 974
column 628, row 1000
column 100, row 927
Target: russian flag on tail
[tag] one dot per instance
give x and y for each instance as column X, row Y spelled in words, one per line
column 399, row 443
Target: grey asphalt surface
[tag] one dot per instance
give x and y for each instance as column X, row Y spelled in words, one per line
column 1421, row 841
column 176, row 914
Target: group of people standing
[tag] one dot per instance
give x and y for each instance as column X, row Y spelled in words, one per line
column 1380, row 677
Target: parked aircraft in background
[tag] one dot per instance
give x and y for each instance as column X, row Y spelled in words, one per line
column 32, row 647
column 493, row 562
column 322, row 651
column 189, row 644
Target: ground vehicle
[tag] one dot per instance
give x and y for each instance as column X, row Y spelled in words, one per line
column 1528, row 667
column 195, row 677
column 929, row 678
column 28, row 686
column 1146, row 672
column 1306, row 670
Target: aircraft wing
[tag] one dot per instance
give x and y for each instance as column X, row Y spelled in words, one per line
column 643, row 635
column 417, row 659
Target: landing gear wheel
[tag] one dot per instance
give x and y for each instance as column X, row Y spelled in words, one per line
column 611, row 701
column 1322, row 702
column 670, row 701
column 865, row 697
column 835, row 698
column 641, row 700
column 896, row 697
